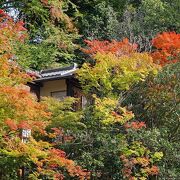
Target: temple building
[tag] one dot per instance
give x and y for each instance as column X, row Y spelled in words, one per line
column 58, row 83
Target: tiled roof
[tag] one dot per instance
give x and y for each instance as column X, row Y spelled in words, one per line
column 51, row 74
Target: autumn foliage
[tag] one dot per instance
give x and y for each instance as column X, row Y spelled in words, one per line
column 167, row 47
column 135, row 125
column 106, row 131
column 115, row 68
column 118, row 48
column 137, row 161
column 116, row 65
column 20, row 111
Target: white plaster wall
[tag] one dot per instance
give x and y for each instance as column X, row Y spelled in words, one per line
column 52, row 86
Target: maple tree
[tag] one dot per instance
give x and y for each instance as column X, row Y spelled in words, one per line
column 118, row 48
column 167, row 46
column 115, row 67
column 138, row 161
column 19, row 112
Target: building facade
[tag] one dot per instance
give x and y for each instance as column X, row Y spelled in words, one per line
column 58, row 83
